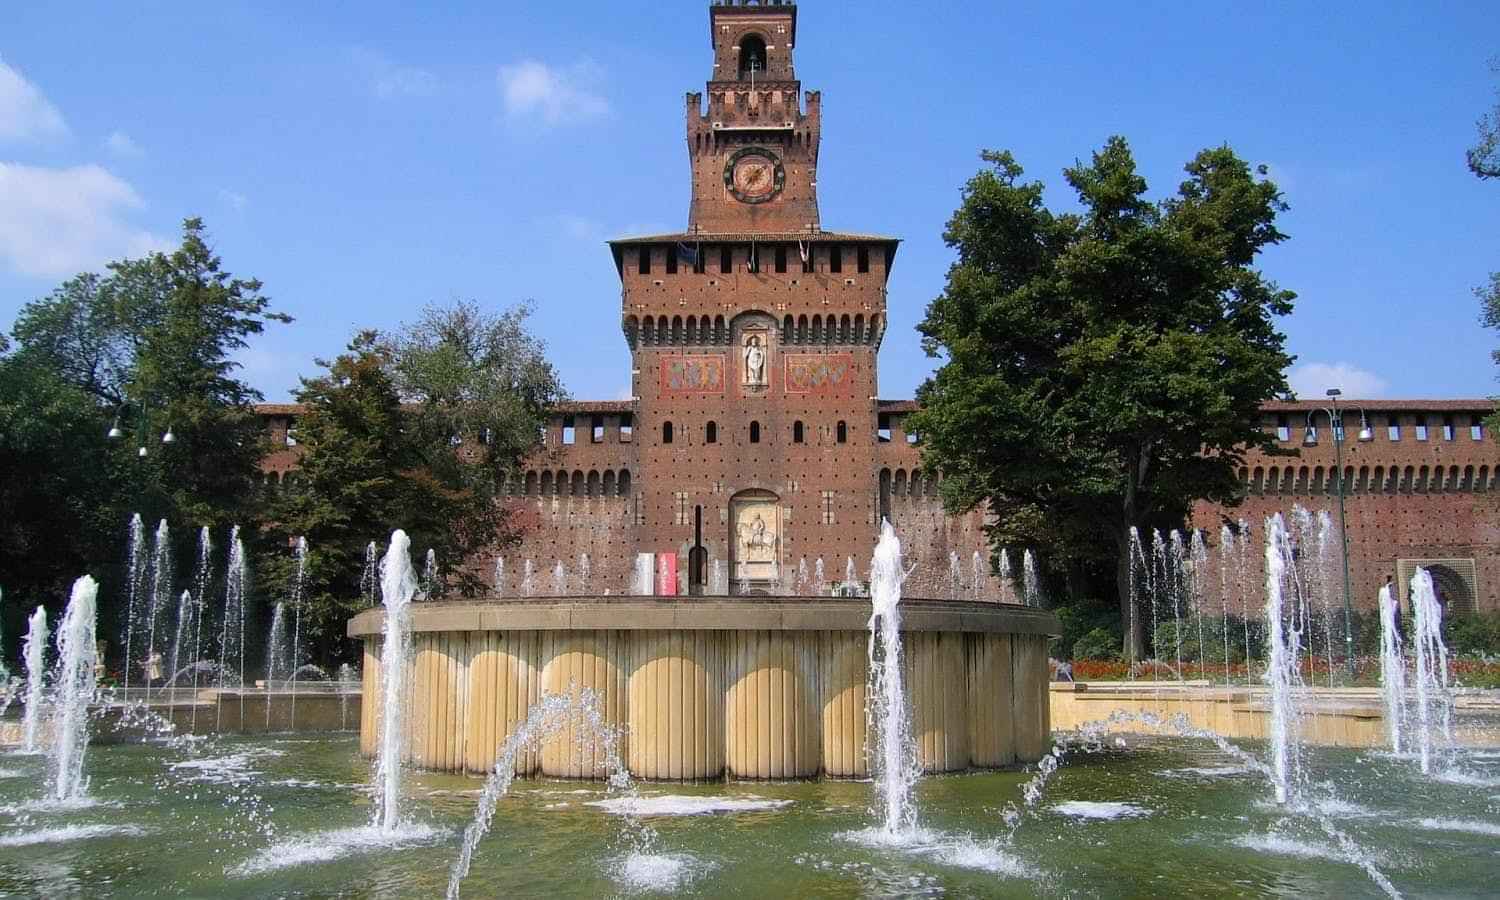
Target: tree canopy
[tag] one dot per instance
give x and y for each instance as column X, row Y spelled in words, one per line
column 415, row 430
column 1103, row 369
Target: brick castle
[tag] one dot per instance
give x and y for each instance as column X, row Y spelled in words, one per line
column 755, row 444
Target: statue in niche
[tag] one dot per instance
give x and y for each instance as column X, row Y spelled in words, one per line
column 757, row 539
column 755, row 362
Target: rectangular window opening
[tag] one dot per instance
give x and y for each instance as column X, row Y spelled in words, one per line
column 1393, row 430
column 627, row 427
column 1448, row 428
column 700, row 262
column 1476, row 431
column 806, row 252
column 569, row 432
column 672, row 259
column 1283, row 429
column 645, row 261
column 883, row 429
column 596, row 430
column 864, row 259
column 726, row 259
column 1421, row 431
column 781, row 259
column 835, row 259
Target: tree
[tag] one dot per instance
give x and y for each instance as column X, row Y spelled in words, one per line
column 146, row 348
column 59, row 496
column 153, row 342
column 1484, row 156
column 1489, row 314
column 414, row 430
column 1484, row 162
column 1103, row 369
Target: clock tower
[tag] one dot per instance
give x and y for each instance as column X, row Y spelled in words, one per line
column 754, row 151
column 753, row 335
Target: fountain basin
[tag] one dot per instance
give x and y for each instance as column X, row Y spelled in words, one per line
column 763, row 688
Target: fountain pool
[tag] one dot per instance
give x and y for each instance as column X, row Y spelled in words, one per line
column 228, row 816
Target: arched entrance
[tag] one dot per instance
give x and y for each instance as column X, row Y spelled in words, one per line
column 754, row 542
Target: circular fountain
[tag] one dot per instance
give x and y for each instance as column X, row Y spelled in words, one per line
column 714, row 687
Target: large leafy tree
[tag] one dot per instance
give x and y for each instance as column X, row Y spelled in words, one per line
column 414, row 430
column 154, row 342
column 148, row 347
column 1104, row 368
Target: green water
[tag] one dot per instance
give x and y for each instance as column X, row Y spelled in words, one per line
column 236, row 817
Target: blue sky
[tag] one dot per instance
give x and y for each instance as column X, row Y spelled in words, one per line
column 363, row 159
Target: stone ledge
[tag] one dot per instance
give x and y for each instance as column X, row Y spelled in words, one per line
column 715, row 614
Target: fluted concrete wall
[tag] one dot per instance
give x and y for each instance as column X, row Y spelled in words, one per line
column 704, row 704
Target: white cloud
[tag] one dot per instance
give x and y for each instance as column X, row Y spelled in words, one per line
column 1312, row 380
column 120, row 144
column 64, row 221
column 26, row 115
column 233, row 199
column 532, row 91
column 389, row 80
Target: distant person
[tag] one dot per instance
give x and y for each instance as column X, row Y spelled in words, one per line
column 152, row 667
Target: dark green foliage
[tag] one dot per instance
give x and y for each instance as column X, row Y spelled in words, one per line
column 1099, row 643
column 1476, row 633
column 149, row 345
column 1103, row 369
column 1083, row 621
column 1211, row 648
column 475, row 390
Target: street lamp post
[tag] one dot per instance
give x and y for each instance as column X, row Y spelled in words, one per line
column 1336, row 425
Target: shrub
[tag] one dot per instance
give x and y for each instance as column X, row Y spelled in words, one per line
column 1475, row 633
column 1099, row 644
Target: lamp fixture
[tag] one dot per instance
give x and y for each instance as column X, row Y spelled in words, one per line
column 169, row 437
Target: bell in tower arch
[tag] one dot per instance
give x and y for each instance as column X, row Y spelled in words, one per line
column 752, row 56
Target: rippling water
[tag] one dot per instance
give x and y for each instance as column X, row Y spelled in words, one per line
column 265, row 817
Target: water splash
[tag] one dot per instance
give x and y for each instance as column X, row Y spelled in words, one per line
column 894, row 764
column 398, row 585
column 369, row 579
column 1286, row 623
column 499, row 576
column 232, row 633
column 559, row 580
column 299, row 582
column 976, row 568
column 578, row 710
column 431, row 585
column 75, row 688
column 136, row 564
column 645, row 573
column 1031, row 582
column 35, row 657
column 160, row 600
column 1434, row 701
column 1392, row 669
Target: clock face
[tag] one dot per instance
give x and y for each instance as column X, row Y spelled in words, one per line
column 754, row 175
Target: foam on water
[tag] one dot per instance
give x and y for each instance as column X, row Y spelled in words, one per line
column 680, row 805
column 233, row 767
column 1466, row 826
column 325, row 846
column 1206, row 772
column 1465, row 778
column 657, row 872
column 69, row 833
column 1285, row 845
column 1093, row 809
column 960, row 851
column 12, row 773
